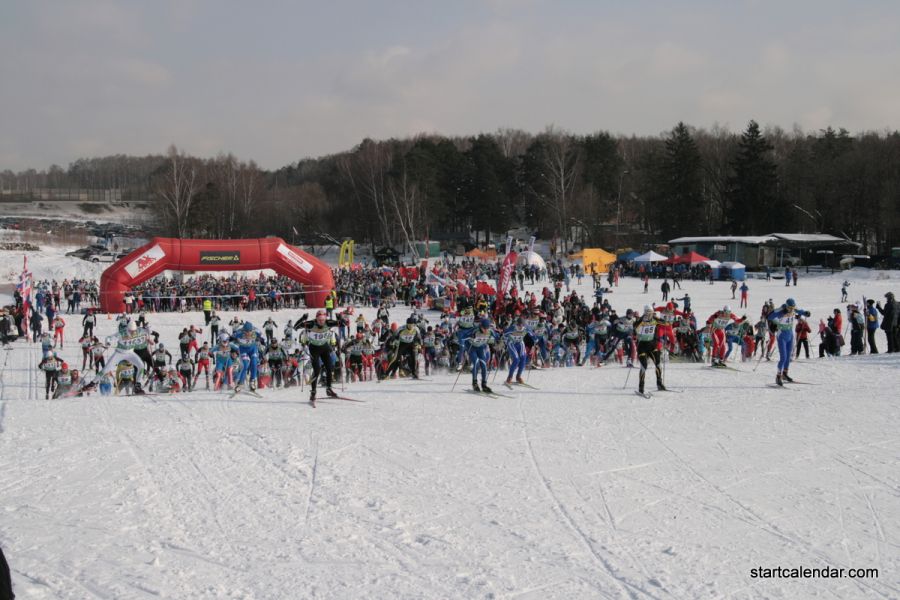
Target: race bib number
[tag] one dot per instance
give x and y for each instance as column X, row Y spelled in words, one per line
column 319, row 338
column 721, row 323
column 645, row 332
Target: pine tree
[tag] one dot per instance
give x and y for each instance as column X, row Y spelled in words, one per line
column 753, row 187
column 682, row 173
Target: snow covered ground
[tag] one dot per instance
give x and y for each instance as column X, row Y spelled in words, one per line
column 578, row 489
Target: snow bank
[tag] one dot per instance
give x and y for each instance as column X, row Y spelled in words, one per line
column 578, row 489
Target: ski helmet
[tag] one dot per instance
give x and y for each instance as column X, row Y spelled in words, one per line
column 411, row 321
column 485, row 323
column 65, row 366
column 321, row 313
column 791, row 302
column 248, row 326
column 726, row 309
column 223, row 338
column 648, row 309
column 132, row 326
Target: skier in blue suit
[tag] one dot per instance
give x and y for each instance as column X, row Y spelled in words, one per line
column 514, row 336
column 784, row 320
column 247, row 340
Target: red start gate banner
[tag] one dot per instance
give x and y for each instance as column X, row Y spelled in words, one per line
column 170, row 254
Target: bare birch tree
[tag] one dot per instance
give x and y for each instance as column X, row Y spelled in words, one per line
column 561, row 163
column 177, row 186
column 366, row 170
column 408, row 205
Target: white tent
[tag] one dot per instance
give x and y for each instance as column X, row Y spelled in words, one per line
column 650, row 257
column 528, row 259
column 734, row 265
column 713, row 263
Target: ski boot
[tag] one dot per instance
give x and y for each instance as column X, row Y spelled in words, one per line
column 509, row 381
column 330, row 393
column 475, row 386
column 778, row 380
column 785, row 377
column 485, row 388
column 520, row 380
column 252, row 385
column 660, row 387
column 312, row 396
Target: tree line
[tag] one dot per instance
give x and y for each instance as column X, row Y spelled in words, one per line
column 595, row 189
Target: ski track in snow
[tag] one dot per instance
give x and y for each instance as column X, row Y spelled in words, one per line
column 578, row 489
column 569, row 522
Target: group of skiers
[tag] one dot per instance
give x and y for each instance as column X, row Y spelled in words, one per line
column 558, row 331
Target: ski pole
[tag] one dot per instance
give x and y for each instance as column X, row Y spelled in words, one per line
column 500, row 359
column 626, row 378
column 761, row 355
column 457, row 376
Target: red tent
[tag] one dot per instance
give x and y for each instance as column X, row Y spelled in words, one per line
column 691, row 258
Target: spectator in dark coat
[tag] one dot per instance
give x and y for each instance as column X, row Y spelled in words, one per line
column 889, row 320
column 6, row 591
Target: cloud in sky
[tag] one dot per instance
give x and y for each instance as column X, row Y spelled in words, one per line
column 284, row 80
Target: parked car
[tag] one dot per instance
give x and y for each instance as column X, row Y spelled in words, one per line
column 86, row 252
column 106, row 256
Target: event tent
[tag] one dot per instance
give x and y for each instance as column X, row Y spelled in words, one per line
column 601, row 259
column 529, row 258
column 628, row 256
column 733, row 270
column 482, row 254
column 715, row 266
column 691, row 258
column 650, row 257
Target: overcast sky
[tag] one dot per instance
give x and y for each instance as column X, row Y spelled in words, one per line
column 276, row 81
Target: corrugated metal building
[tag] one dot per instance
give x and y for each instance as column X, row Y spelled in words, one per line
column 774, row 250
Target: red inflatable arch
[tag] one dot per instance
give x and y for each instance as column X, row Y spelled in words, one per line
column 163, row 254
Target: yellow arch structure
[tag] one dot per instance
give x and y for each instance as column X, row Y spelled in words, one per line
column 345, row 258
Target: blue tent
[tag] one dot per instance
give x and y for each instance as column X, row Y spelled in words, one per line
column 628, row 256
column 733, row 270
